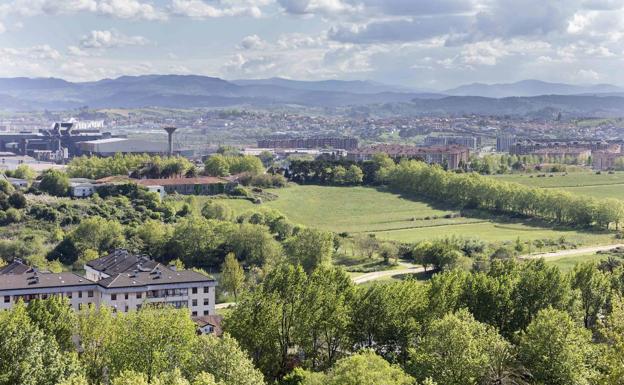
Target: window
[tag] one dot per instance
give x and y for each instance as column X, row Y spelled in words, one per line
column 194, row 290
column 7, row 298
column 207, row 289
column 206, row 302
column 126, row 296
column 79, row 294
column 126, row 308
column 79, row 306
column 206, row 312
column 113, row 297
column 194, row 314
column 139, row 295
column 194, row 302
column 90, row 294
column 70, row 294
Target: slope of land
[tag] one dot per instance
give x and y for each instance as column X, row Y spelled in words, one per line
column 367, row 210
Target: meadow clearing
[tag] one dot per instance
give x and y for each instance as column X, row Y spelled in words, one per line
column 366, row 210
column 603, row 185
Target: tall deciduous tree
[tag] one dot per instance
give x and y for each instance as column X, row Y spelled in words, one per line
column 311, row 248
column 232, row 275
column 556, row 350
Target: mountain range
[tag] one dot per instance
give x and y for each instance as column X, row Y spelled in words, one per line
column 188, row 91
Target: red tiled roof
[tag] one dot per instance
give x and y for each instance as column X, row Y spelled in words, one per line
column 180, row 181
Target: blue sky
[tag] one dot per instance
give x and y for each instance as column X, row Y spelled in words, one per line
column 433, row 44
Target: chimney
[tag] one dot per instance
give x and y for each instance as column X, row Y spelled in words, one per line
column 170, row 131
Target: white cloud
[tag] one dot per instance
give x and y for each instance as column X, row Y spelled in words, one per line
column 252, row 42
column 198, row 9
column 109, row 39
column 123, row 9
column 323, row 7
column 2, row 28
column 588, row 75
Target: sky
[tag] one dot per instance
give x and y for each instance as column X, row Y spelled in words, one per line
column 425, row 44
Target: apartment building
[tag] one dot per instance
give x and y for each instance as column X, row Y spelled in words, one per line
column 120, row 280
column 451, row 156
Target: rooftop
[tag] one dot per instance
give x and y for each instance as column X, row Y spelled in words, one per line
column 159, row 276
column 122, row 261
column 15, row 268
column 37, row 280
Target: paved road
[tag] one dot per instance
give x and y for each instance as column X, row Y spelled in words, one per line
column 571, row 252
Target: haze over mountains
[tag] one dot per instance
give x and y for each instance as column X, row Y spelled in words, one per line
column 188, row 91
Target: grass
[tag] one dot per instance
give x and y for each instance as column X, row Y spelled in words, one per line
column 391, row 217
column 566, row 264
column 602, row 185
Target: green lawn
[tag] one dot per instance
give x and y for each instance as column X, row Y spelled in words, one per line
column 369, row 210
column 566, row 264
column 603, row 185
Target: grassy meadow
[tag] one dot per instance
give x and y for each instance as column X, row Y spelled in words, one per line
column 389, row 216
column 602, row 185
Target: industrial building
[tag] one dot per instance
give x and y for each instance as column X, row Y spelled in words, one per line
column 55, row 144
column 112, row 146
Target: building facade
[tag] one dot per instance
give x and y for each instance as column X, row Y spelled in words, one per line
column 335, row 142
column 450, row 156
column 122, row 281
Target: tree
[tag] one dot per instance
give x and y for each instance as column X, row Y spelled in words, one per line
column 457, row 350
column 353, row 175
column 17, row 200
column 173, row 377
column 323, row 328
column 264, row 319
column 232, row 276
column 204, row 378
column 556, row 350
column 254, row 245
column 388, row 251
column 129, row 377
column 612, row 332
column 217, row 210
column 594, row 287
column 75, row 379
column 311, row 248
column 27, row 355
column 55, row 317
column 99, row 234
column 153, row 236
column 152, row 340
column 224, row 359
column 216, row 165
column 24, row 171
column 55, row 183
column 365, row 367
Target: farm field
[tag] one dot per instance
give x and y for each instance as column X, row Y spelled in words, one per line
column 368, row 210
column 583, row 183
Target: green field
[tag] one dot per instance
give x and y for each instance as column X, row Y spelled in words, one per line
column 369, row 210
column 566, row 264
column 603, row 185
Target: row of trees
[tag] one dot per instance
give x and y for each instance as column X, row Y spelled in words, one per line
column 479, row 192
column 141, row 166
column 224, row 165
column 341, row 172
column 515, row 323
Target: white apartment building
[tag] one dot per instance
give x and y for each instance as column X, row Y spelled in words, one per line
column 128, row 286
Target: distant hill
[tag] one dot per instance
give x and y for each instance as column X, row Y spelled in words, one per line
column 190, row 91
column 530, row 88
column 349, row 86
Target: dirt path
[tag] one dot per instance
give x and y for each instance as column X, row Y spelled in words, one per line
column 571, row 252
column 408, row 268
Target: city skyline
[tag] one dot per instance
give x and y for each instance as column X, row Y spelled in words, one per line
column 400, row 42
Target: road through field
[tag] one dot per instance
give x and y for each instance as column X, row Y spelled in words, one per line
column 570, row 252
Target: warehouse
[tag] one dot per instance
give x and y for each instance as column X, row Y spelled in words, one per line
column 112, row 146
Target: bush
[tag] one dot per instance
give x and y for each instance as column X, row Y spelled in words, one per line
column 217, row 210
column 17, row 200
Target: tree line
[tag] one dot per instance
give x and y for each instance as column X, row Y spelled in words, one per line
column 513, row 323
column 472, row 190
